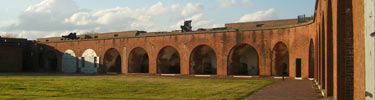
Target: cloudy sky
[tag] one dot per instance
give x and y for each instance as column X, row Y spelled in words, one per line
column 46, row 18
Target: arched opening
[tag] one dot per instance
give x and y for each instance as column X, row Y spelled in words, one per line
column 243, row 60
column 111, row 61
column 168, row 61
column 69, row 62
column 89, row 62
column 311, row 59
column 138, row 61
column 203, row 61
column 280, row 60
column 48, row 61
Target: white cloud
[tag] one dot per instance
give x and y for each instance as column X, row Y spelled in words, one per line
column 8, row 35
column 260, row 15
column 193, row 12
column 200, row 22
column 80, row 19
column 197, row 22
column 59, row 17
column 122, row 18
column 159, row 8
column 63, row 7
column 191, row 9
column 46, row 16
column 4, row 23
column 226, row 3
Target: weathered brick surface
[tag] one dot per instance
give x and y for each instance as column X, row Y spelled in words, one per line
column 358, row 49
column 15, row 54
column 296, row 39
column 10, row 58
column 336, row 34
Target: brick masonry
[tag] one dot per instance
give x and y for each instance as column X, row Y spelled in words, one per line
column 335, row 35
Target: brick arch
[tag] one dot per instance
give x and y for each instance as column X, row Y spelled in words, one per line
column 229, row 48
column 82, row 51
column 70, row 51
column 130, row 49
column 162, row 46
column 111, row 61
column 103, row 50
column 200, row 65
column 280, row 59
column 243, row 59
column 89, row 61
column 171, row 64
column 276, row 42
column 138, row 61
column 280, row 42
column 77, row 55
column 74, row 50
column 69, row 61
column 197, row 45
column 86, row 52
column 165, row 46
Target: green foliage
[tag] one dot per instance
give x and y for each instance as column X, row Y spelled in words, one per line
column 124, row 87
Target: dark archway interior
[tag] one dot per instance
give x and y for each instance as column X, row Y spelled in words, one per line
column 168, row 61
column 311, row 60
column 112, row 61
column 48, row 61
column 203, row 61
column 243, row 60
column 280, row 60
column 27, row 63
column 138, row 61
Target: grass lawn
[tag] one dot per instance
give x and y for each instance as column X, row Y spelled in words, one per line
column 124, row 87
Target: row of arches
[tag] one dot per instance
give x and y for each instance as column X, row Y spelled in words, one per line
column 87, row 63
column 242, row 60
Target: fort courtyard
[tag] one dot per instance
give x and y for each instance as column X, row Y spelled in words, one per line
column 329, row 55
column 47, row 86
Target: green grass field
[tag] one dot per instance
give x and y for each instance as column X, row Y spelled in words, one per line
column 124, row 87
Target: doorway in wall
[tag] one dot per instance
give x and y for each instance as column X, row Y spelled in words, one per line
column 298, row 67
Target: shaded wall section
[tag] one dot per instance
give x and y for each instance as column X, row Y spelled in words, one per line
column 311, row 60
column 168, row 61
column 243, row 60
column 48, row 61
column 69, row 62
column 89, row 61
column 17, row 54
column 280, row 60
column 203, row 61
column 10, row 59
column 111, row 61
column 138, row 61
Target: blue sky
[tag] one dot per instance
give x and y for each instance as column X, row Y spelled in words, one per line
column 45, row 18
